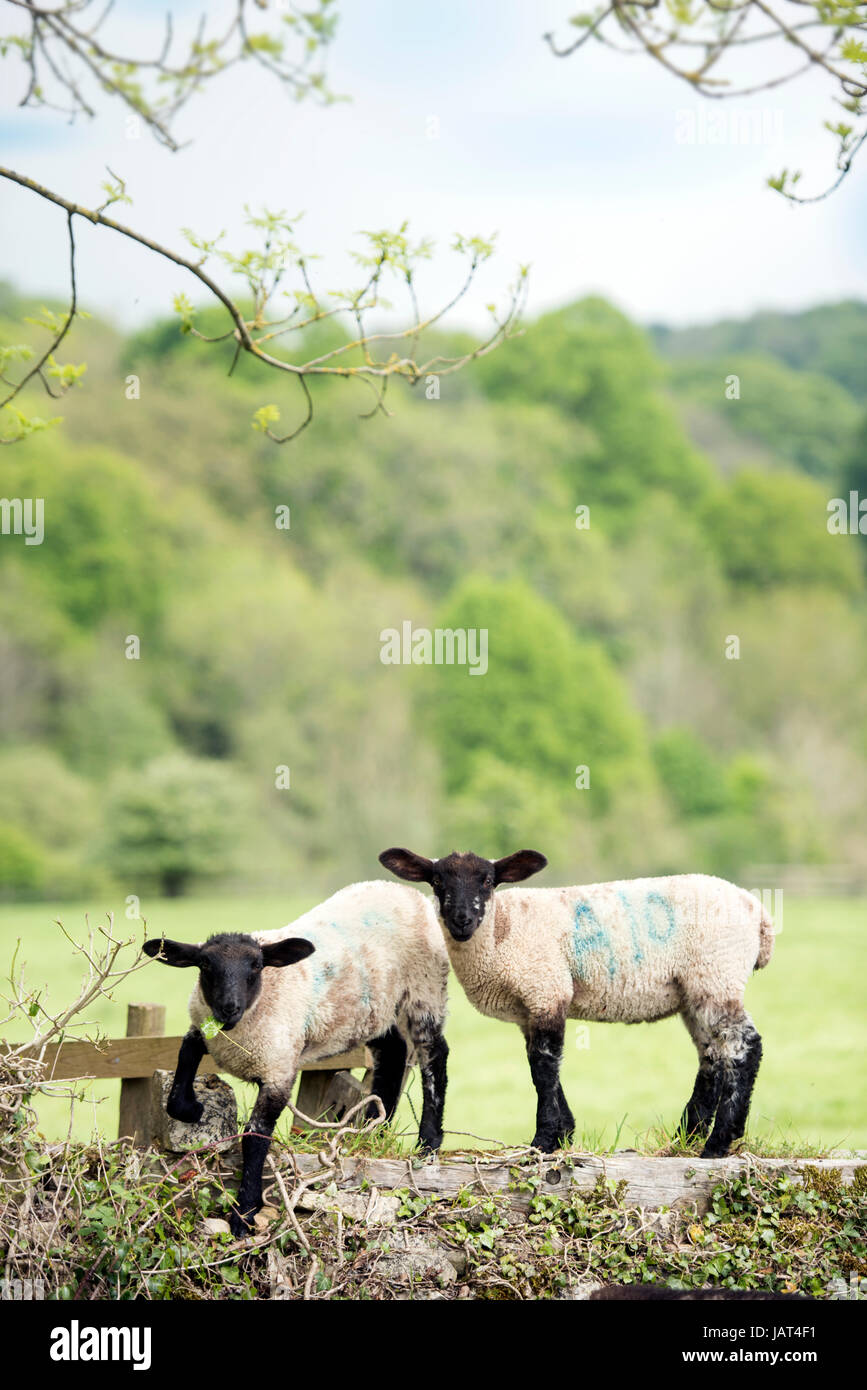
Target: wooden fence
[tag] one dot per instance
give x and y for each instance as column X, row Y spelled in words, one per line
column 134, row 1059
column 327, row 1088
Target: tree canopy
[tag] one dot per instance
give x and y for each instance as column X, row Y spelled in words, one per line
column 258, row 645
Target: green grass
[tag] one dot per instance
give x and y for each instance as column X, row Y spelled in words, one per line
column 627, row 1086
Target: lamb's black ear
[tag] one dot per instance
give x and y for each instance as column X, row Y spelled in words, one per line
column 287, row 952
column 181, row 953
column 514, row 867
column 405, row 864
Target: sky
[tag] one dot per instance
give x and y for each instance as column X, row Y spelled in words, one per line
column 460, row 120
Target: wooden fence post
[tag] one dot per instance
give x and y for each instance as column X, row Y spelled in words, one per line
column 134, row 1118
column 327, row 1095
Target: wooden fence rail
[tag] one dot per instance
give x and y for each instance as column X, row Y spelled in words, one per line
column 327, row 1088
column 134, row 1059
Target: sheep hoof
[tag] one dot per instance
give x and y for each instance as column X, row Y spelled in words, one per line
column 545, row 1143
column 188, row 1114
column 240, row 1225
column 709, row 1151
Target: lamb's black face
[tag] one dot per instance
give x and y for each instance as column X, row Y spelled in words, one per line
column 230, row 976
column 463, row 883
column 230, row 968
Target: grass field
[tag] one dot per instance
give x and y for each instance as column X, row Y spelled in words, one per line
column 624, row 1086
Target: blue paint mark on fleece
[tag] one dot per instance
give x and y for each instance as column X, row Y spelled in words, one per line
column 629, row 909
column 376, row 919
column 318, row 975
column 590, row 936
column 323, row 967
column 654, row 931
column 341, row 939
column 656, row 927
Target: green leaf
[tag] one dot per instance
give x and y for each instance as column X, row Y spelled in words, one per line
column 265, row 416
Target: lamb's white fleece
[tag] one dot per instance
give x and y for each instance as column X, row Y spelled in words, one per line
column 379, row 961
column 628, row 951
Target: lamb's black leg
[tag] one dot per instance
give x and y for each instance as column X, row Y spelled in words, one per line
column 739, row 1064
column 567, row 1119
column 701, row 1106
column 433, row 1051
column 254, row 1149
column 545, row 1053
column 182, row 1103
column 707, row 1028
column 389, row 1064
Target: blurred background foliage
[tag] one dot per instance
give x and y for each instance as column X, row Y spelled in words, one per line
column 260, row 647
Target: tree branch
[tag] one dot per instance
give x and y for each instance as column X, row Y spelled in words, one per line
column 54, row 32
column 719, row 28
column 263, row 272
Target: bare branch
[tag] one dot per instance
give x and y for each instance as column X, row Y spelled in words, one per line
column 156, row 88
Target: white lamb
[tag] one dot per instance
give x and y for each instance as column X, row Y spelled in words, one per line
column 369, row 967
column 629, row 952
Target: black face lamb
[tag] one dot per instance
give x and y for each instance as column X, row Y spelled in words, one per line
column 463, row 883
column 630, row 951
column 367, row 967
column 230, row 968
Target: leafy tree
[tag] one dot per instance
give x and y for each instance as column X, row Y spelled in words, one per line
column 105, row 528
column 828, row 340
column 750, row 784
column 104, row 722
column 600, row 369
column 503, row 807
column 801, row 676
column 22, row 861
column 454, row 506
column 802, row 417
column 44, row 798
column 771, row 529
column 176, row 821
column 548, row 702
column 855, row 474
column 692, row 776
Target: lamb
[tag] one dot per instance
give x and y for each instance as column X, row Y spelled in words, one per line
column 369, row 967
column 629, row 951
